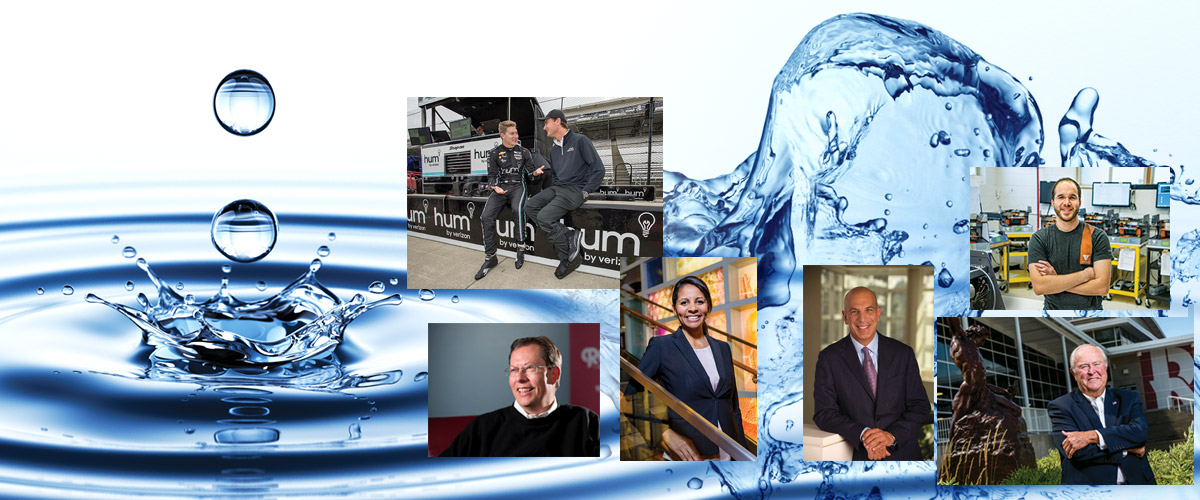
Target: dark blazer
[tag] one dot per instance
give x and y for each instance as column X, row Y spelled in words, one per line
column 670, row 360
column 843, row 403
column 1126, row 429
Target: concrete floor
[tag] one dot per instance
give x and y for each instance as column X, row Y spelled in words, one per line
column 432, row 264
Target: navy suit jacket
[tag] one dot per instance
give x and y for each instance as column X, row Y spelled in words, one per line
column 843, row 403
column 1126, row 428
column 672, row 362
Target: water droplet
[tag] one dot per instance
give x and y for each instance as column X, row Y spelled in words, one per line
column 925, row 226
column 964, row 152
column 225, row 268
column 67, row 290
column 315, row 265
column 669, row 472
column 421, row 376
column 949, row 203
column 244, row 230
column 355, row 429
column 190, row 299
column 944, row 278
column 189, row 430
column 695, row 483
column 987, row 68
column 179, row 285
column 1031, row 78
column 962, row 226
column 116, row 239
column 261, row 285
column 376, row 287
column 332, row 236
column 41, row 291
column 605, row 452
column 1155, row 150
column 949, row 107
column 249, row 435
column 365, row 417
column 427, row 294
column 129, row 252
column 888, row 197
column 244, row 103
column 454, row 299
column 394, row 281
column 323, row 251
column 887, row 212
column 987, row 153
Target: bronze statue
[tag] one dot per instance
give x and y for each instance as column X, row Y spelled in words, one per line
column 988, row 438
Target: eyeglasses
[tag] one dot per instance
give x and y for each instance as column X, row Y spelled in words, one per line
column 528, row 370
column 1095, row 366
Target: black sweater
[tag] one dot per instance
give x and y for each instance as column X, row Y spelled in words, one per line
column 570, row 431
column 577, row 163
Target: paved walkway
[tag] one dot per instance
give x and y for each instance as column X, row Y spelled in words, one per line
column 432, row 264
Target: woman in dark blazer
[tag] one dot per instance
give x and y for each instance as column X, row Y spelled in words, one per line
column 689, row 363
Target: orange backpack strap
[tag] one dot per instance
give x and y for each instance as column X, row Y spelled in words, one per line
column 1085, row 246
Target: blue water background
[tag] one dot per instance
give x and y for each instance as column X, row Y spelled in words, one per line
column 862, row 161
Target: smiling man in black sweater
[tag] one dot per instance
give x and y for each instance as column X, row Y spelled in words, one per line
column 578, row 171
column 535, row 425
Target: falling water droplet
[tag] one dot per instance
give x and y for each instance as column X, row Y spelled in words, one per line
column 244, row 230
column 179, row 285
column 944, row 278
column 949, row 203
column 421, row 376
column 323, row 251
column 376, row 287
column 355, row 431
column 887, row 212
column 226, row 268
column 41, row 291
column 695, row 483
column 962, row 226
column 394, row 281
column 116, row 239
column 949, row 107
column 129, row 285
column 427, row 294
column 332, row 236
column 68, row 290
column 888, row 197
column 315, row 265
column 454, row 299
column 244, row 103
column 129, row 252
column 261, row 285
column 669, row 472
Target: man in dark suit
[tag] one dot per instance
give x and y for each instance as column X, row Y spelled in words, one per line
column 1100, row 447
column 868, row 387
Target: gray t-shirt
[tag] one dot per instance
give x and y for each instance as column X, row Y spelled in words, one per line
column 1061, row 250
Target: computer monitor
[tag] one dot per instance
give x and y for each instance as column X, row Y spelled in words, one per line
column 419, row 135
column 1164, row 195
column 1046, row 193
column 460, row 129
column 1111, row 194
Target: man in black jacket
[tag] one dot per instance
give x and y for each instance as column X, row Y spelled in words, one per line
column 578, row 171
column 510, row 165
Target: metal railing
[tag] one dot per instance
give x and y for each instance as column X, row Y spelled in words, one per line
column 1182, row 404
column 706, row 428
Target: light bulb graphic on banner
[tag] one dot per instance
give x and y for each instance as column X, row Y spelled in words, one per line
column 646, row 219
